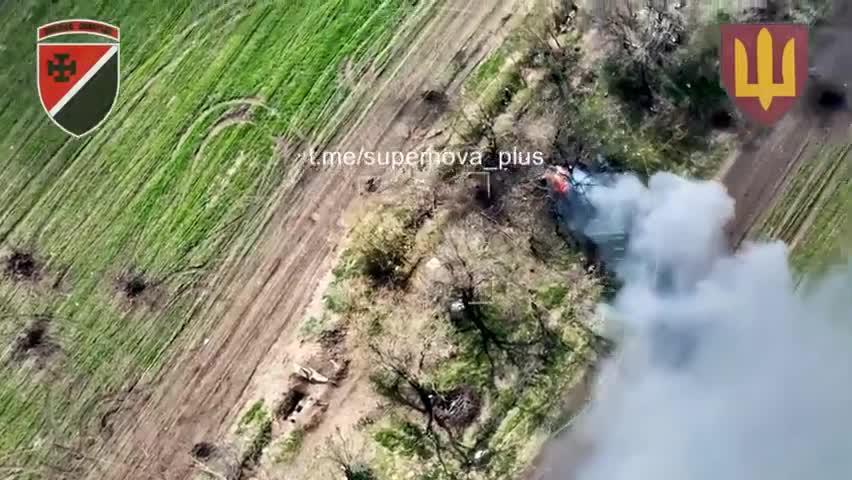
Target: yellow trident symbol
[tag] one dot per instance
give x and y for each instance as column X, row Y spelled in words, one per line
column 765, row 89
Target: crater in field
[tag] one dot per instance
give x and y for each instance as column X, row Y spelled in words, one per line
column 134, row 285
column 21, row 265
column 435, row 98
column 202, row 451
column 218, row 460
column 138, row 288
column 34, row 341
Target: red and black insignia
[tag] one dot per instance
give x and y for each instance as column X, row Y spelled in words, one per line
column 77, row 81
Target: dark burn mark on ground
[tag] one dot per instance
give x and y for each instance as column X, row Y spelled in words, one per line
column 135, row 285
column 202, row 451
column 34, row 341
column 137, row 288
column 21, row 265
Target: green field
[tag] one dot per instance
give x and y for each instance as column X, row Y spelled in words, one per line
column 813, row 213
column 175, row 179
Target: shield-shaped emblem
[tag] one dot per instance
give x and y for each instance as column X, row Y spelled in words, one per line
column 77, row 80
column 764, row 67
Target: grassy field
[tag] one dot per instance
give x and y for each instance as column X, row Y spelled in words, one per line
column 813, row 214
column 175, row 178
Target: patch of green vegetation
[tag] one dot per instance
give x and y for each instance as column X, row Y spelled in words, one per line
column 813, row 212
column 499, row 94
column 552, row 295
column 776, row 225
column 651, row 105
column 288, row 448
column 468, row 367
column 336, row 299
column 492, row 88
column 596, row 120
column 171, row 184
column 827, row 240
column 261, row 438
column 314, row 326
column 521, row 371
column 382, row 244
column 256, row 415
column 685, row 75
column 486, row 71
column 811, row 11
column 404, row 438
column 346, row 266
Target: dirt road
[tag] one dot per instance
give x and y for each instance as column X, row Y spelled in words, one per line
column 262, row 295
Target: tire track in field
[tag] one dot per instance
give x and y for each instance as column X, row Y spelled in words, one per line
column 824, row 188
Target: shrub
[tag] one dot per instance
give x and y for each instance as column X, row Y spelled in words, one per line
column 290, row 446
column 382, row 247
column 405, row 439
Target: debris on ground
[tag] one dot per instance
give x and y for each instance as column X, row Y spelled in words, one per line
column 458, row 407
column 371, row 185
column 311, row 375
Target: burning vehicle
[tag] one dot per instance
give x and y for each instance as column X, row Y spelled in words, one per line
column 571, row 188
column 576, row 191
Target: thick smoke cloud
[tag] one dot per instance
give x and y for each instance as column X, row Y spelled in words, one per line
column 726, row 368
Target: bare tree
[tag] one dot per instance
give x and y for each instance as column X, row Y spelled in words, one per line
column 401, row 376
column 346, row 458
column 473, row 311
column 647, row 38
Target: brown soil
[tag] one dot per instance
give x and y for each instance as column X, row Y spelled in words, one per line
column 260, row 297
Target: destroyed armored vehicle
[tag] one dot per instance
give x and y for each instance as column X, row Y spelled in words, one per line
column 571, row 188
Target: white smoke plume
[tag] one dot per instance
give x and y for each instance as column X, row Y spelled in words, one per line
column 725, row 368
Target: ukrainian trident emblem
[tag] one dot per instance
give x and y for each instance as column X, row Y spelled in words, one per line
column 764, row 68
